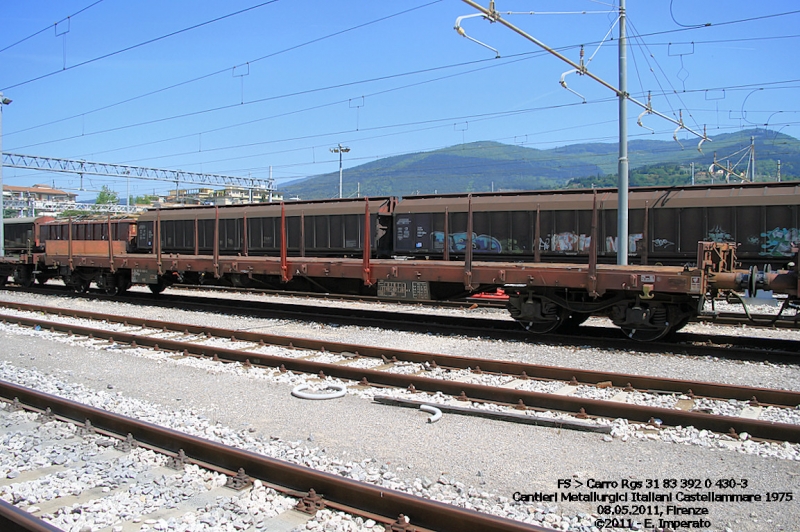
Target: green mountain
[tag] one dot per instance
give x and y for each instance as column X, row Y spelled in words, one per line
column 483, row 166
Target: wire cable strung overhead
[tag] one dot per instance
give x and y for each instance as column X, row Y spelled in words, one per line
column 228, row 69
column 54, row 25
column 139, row 45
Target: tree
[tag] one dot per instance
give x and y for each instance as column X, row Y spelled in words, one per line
column 107, row 196
column 144, row 200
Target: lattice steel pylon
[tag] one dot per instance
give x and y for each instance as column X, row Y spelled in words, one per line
column 70, row 166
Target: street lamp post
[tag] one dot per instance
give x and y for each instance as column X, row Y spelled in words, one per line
column 3, row 101
column 340, row 149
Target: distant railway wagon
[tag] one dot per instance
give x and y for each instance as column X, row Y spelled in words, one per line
column 329, row 228
column 22, row 235
column 21, row 244
column 665, row 224
column 75, row 244
column 85, row 231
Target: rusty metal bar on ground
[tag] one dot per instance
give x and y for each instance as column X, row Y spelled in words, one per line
column 524, row 419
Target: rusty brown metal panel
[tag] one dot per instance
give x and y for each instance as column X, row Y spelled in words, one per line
column 382, row 204
column 664, row 279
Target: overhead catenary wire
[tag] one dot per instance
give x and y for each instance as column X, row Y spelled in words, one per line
column 228, row 69
column 674, row 91
column 272, row 98
column 664, row 91
column 139, row 45
column 55, row 24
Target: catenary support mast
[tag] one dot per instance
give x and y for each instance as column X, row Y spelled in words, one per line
column 492, row 15
column 622, row 167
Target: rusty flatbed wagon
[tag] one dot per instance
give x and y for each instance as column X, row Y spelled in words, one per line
column 646, row 302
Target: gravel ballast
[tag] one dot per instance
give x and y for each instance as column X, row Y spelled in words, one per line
column 468, row 460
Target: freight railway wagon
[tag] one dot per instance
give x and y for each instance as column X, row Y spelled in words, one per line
column 646, row 302
column 22, row 243
column 326, row 229
column 665, row 224
column 79, row 240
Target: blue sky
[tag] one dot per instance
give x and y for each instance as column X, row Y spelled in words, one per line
column 238, row 87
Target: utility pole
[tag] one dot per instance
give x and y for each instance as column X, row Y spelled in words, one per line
column 270, row 179
column 3, row 101
column 622, row 167
column 340, row 150
column 779, row 170
column 492, row 15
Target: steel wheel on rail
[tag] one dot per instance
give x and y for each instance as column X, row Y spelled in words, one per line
column 159, row 287
column 574, row 320
column 112, row 290
column 81, row 286
column 23, row 277
column 648, row 321
column 646, row 335
column 550, row 317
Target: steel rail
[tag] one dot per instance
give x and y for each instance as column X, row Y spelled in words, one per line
column 465, row 390
column 738, row 348
column 423, row 513
column 758, row 321
column 735, row 348
column 13, row 519
column 518, row 369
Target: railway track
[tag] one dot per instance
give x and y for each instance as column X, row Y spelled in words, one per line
column 721, row 346
column 101, row 438
column 720, row 318
column 525, row 388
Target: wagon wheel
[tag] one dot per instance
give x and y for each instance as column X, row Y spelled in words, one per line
column 574, row 319
column 81, row 286
column 660, row 324
column 123, row 283
column 112, row 290
column 680, row 324
column 558, row 315
column 23, row 277
column 648, row 334
column 159, row 287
